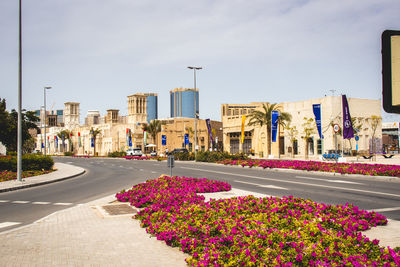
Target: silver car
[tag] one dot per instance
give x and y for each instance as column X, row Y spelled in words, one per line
column 136, row 152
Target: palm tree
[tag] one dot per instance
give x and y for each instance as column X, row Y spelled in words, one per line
column 94, row 133
column 190, row 132
column 284, row 119
column 65, row 134
column 263, row 117
column 153, row 128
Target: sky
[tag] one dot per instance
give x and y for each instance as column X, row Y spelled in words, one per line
column 97, row 52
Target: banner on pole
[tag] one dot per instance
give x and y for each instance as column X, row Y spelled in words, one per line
column 186, row 139
column 92, row 142
column 79, row 139
column 347, row 124
column 163, row 140
column 208, row 122
column 242, row 132
column 317, row 114
column 56, row 143
column 274, row 124
column 145, row 137
column 63, row 141
column 130, row 141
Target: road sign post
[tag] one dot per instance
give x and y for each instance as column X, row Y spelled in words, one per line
column 170, row 163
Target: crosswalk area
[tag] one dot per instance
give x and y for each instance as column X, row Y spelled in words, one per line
column 35, row 202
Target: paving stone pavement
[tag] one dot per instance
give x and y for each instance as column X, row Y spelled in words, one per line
column 81, row 236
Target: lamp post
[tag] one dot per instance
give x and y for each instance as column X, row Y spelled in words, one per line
column 19, row 127
column 45, row 140
column 195, row 109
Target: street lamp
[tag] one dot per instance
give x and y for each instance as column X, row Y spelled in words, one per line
column 44, row 93
column 196, row 115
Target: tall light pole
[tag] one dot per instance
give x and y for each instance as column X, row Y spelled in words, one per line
column 19, row 127
column 196, row 115
column 45, row 140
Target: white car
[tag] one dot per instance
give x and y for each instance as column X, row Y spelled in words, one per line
column 136, row 152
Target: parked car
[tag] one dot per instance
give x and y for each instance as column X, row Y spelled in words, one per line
column 153, row 153
column 178, row 150
column 136, row 152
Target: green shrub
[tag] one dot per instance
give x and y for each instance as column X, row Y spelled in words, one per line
column 30, row 162
column 68, row 153
column 11, row 153
column 117, row 154
column 207, row 156
column 184, row 156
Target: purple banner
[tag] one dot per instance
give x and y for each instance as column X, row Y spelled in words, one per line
column 347, row 125
column 208, row 122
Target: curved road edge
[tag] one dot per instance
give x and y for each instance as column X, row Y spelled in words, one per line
column 63, row 172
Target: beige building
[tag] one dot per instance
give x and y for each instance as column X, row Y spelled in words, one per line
column 114, row 128
column 175, row 129
column 255, row 140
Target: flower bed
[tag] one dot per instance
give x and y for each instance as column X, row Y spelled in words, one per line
column 8, row 176
column 136, row 157
column 246, row 231
column 343, row 168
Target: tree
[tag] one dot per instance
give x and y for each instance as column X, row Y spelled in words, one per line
column 94, row 133
column 284, row 118
column 263, row 117
column 292, row 132
column 308, row 131
column 153, row 128
column 9, row 127
column 374, row 121
column 66, row 134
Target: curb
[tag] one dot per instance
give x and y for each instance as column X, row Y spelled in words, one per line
column 41, row 183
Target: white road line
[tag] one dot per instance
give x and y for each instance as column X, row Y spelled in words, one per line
column 40, row 203
column 141, row 170
column 294, row 182
column 385, row 209
column 262, row 185
column 20, row 202
column 7, row 224
column 153, row 172
column 69, row 162
column 4, row 201
column 62, row 204
column 327, row 180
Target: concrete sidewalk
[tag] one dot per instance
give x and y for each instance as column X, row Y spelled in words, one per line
column 63, row 171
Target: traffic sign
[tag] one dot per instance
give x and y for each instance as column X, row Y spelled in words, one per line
column 336, row 128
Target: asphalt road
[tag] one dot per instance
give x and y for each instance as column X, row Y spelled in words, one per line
column 106, row 176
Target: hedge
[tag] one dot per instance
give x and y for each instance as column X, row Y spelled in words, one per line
column 29, row 163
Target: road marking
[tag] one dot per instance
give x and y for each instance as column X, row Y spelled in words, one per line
column 327, row 180
column 7, row 224
column 20, row 202
column 69, row 162
column 385, row 209
column 262, row 185
column 294, row 182
column 141, row 170
column 4, row 201
column 62, row 204
column 40, row 203
column 153, row 172
column 121, row 166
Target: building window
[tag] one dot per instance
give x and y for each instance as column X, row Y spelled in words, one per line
column 319, row 146
column 295, row 147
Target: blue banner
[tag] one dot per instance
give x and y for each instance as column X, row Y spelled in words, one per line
column 274, row 124
column 130, row 141
column 163, row 140
column 317, row 114
column 92, row 142
column 186, row 139
column 63, row 141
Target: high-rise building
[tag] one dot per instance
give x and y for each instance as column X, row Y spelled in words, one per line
column 183, row 102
